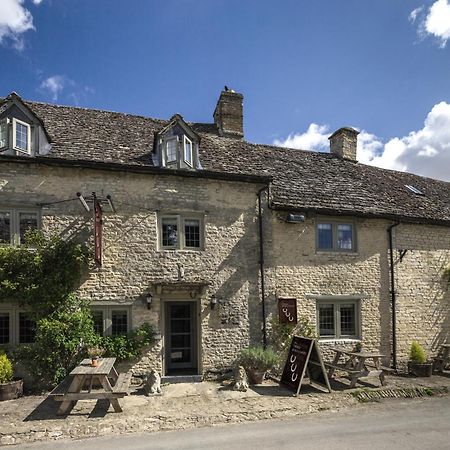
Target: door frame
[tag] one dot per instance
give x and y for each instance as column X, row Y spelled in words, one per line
column 164, row 307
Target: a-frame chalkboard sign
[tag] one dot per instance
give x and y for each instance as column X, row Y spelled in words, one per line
column 304, row 357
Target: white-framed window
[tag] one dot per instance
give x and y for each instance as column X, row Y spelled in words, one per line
column 112, row 320
column 16, row 326
column 14, row 223
column 335, row 236
column 180, row 231
column 338, row 319
column 21, row 136
column 3, row 133
column 171, row 150
column 188, row 151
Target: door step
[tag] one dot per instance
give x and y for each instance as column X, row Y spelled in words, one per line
column 181, row 379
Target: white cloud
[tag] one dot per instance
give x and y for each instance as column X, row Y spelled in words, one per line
column 15, row 20
column 425, row 152
column 435, row 22
column 37, row 2
column 53, row 86
column 314, row 138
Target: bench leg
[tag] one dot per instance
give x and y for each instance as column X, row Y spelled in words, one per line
column 65, row 407
column 115, row 404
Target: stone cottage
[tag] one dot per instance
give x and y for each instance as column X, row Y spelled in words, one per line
column 205, row 233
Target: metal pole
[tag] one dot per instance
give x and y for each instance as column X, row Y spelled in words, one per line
column 261, row 266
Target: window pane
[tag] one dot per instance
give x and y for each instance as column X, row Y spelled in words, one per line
column 22, row 136
column 27, row 329
column 97, row 317
column 27, row 221
column 171, row 150
column 5, row 228
column 169, row 232
column 348, row 320
column 188, row 151
column 344, row 237
column 326, row 320
column 192, row 232
column 3, row 139
column 4, row 328
column 325, row 236
column 119, row 322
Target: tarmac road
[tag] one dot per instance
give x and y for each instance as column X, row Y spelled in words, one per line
column 391, row 424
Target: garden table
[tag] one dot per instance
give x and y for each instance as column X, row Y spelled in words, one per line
column 79, row 385
column 357, row 365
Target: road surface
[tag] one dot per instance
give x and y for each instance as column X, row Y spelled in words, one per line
column 393, row 424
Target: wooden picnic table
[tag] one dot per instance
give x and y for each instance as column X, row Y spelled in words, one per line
column 358, row 365
column 443, row 358
column 81, row 384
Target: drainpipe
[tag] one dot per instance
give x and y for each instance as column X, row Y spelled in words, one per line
column 261, row 265
column 393, row 297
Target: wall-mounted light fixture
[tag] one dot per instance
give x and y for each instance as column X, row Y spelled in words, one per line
column 149, row 300
column 213, row 301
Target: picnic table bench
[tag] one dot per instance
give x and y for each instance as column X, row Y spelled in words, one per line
column 443, row 358
column 81, row 384
column 357, row 365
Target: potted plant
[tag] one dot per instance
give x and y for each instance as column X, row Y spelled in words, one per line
column 10, row 387
column 95, row 353
column 418, row 365
column 257, row 361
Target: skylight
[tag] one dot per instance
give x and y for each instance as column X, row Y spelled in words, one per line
column 413, row 189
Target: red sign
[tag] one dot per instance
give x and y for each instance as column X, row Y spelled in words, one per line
column 98, row 222
column 287, row 310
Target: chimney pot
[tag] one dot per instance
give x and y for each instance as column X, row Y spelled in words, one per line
column 343, row 143
column 228, row 115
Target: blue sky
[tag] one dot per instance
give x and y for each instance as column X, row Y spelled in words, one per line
column 305, row 67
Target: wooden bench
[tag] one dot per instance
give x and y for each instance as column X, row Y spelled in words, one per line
column 122, row 385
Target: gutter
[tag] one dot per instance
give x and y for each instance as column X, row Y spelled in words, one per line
column 261, row 265
column 393, row 296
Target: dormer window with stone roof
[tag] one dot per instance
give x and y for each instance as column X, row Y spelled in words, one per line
column 177, row 145
column 21, row 132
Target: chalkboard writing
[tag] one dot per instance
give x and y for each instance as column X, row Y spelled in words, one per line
column 287, row 310
column 304, row 357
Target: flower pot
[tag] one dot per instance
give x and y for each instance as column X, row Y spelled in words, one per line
column 255, row 376
column 420, row 369
column 11, row 390
column 94, row 362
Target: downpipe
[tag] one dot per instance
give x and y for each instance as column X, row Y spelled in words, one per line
column 393, row 296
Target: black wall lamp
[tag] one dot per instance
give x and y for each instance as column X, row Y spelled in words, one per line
column 213, row 301
column 149, row 300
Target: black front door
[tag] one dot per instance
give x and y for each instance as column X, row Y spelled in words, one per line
column 181, row 338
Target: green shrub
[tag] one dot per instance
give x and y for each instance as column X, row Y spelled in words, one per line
column 6, row 370
column 128, row 346
column 256, row 358
column 60, row 344
column 417, row 353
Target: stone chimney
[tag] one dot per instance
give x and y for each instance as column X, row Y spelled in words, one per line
column 343, row 143
column 228, row 115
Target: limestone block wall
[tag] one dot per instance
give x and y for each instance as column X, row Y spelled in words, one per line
column 298, row 270
column 423, row 294
column 132, row 263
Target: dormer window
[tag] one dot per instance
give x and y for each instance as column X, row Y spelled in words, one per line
column 188, row 151
column 171, row 146
column 21, row 136
column 177, row 146
column 3, row 134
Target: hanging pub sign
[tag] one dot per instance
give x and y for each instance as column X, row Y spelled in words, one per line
column 287, row 310
column 98, row 222
column 304, row 358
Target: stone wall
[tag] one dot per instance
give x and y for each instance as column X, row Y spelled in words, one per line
column 132, row 263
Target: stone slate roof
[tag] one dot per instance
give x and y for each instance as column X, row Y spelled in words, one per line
column 302, row 180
